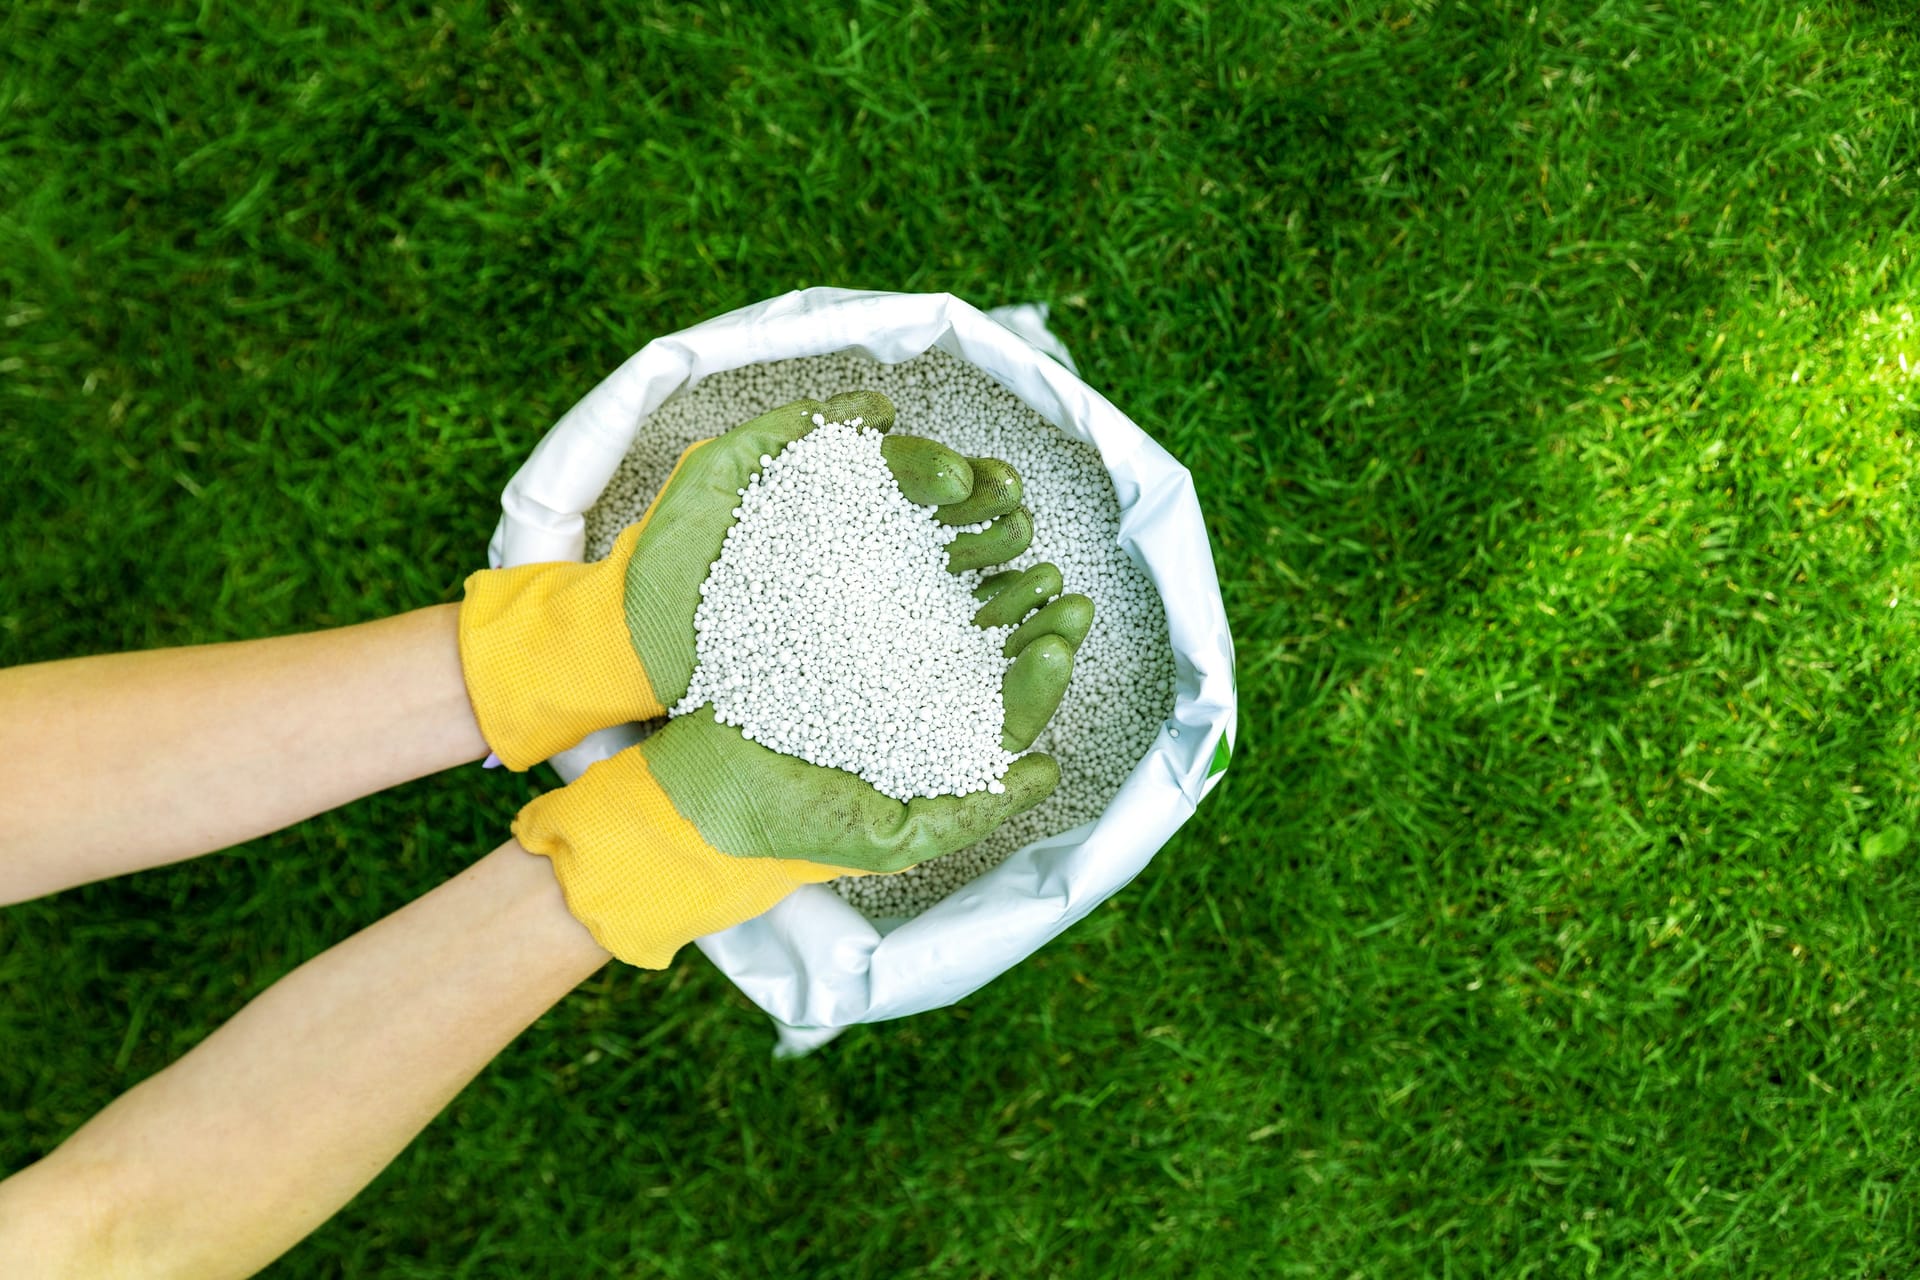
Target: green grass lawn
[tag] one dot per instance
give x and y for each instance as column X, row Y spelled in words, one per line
column 1548, row 371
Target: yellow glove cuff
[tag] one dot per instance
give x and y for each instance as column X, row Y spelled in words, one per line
column 547, row 657
column 637, row 874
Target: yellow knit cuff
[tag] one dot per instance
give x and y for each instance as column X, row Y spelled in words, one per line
column 547, row 657
column 637, row 874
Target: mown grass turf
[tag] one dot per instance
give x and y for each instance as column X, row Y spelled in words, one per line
column 1547, row 370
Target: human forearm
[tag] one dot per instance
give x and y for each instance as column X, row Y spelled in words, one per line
column 223, row 1161
column 134, row 760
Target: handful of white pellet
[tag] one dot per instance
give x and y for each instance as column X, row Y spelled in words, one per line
column 1122, row 684
column 830, row 628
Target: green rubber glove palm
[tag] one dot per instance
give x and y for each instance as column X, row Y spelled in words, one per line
column 725, row 829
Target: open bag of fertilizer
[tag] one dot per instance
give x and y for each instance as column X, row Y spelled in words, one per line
column 1146, row 728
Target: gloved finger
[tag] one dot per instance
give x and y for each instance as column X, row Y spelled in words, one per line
column 774, row 430
column 1070, row 617
column 991, row 585
column 929, row 473
column 930, row 827
column 720, row 470
column 1019, row 595
column 874, row 410
column 996, row 491
column 1031, row 690
column 998, row 543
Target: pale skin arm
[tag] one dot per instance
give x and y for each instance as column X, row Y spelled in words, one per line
column 226, row 1159
column 223, row 1161
column 134, row 760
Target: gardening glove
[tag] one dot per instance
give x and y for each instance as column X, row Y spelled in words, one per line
column 697, row 829
column 552, row 652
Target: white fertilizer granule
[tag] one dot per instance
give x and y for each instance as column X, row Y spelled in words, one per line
column 830, row 629
column 1122, row 688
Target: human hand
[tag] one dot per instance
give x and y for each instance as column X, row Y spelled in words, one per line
column 552, row 652
column 697, row 829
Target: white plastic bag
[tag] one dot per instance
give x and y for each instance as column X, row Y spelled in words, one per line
column 813, row 962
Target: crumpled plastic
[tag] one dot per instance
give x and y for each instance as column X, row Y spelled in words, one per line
column 813, row 963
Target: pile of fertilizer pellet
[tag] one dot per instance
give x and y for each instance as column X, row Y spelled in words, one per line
column 830, row 629
column 1122, row 688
